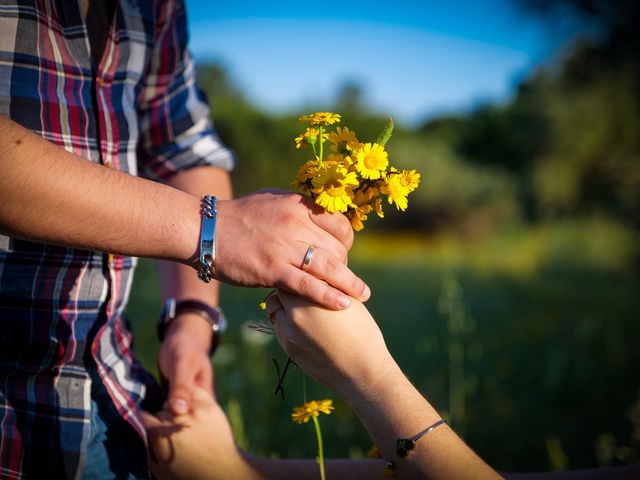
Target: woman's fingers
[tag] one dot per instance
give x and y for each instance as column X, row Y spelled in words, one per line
column 273, row 306
column 306, row 285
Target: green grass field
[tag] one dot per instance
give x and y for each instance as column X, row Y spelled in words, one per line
column 527, row 341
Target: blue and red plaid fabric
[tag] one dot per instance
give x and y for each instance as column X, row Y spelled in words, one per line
column 62, row 310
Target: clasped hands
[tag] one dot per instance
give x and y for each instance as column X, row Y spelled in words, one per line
column 264, row 239
column 343, row 349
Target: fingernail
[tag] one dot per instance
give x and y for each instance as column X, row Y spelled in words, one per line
column 179, row 406
column 343, row 301
column 366, row 293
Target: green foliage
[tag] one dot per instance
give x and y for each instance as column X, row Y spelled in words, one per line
column 570, row 134
column 509, row 136
column 593, row 164
column 454, row 194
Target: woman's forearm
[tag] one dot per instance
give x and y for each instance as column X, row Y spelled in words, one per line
column 391, row 408
column 50, row 195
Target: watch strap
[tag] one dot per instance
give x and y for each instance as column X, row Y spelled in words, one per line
column 214, row 316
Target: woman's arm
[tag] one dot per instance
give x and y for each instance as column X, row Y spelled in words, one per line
column 346, row 352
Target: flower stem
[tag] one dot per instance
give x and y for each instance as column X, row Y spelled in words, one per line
column 316, row 424
column 321, row 143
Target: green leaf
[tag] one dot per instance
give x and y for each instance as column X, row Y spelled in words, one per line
column 385, row 135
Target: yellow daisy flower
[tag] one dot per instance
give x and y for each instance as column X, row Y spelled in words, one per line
column 396, row 191
column 362, row 196
column 311, row 409
column 362, row 208
column 377, row 205
column 356, row 217
column 321, row 118
column 343, row 140
column 342, row 160
column 334, row 186
column 305, row 173
column 371, row 160
column 409, row 179
column 309, row 137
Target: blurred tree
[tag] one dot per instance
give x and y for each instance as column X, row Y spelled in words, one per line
column 350, row 99
column 611, row 25
column 510, row 136
column 262, row 143
column 570, row 134
column 591, row 163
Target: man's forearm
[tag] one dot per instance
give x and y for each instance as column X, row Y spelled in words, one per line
column 50, row 195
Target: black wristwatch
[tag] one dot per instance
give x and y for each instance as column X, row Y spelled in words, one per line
column 213, row 315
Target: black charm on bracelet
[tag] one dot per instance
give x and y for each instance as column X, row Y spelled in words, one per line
column 405, row 445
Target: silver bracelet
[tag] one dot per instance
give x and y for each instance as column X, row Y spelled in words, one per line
column 405, row 445
column 207, row 237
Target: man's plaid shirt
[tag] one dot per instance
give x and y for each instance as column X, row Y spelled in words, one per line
column 61, row 310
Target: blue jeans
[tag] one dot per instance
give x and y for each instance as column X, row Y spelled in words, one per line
column 115, row 450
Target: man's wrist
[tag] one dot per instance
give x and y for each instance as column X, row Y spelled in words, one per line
column 187, row 233
column 207, row 240
column 200, row 314
column 192, row 325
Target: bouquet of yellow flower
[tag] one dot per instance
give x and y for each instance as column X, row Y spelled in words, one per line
column 355, row 177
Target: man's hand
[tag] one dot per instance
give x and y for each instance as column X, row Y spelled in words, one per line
column 184, row 360
column 262, row 239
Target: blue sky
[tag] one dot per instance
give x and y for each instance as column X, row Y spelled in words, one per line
column 413, row 59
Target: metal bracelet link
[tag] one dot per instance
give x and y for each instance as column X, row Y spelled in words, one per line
column 207, row 237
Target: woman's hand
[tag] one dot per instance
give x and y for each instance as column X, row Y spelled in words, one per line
column 341, row 349
column 196, row 445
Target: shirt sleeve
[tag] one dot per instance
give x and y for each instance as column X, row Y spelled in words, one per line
column 176, row 132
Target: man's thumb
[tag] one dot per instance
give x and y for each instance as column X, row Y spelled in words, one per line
column 180, row 386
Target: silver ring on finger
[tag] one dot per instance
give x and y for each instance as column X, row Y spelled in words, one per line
column 306, row 263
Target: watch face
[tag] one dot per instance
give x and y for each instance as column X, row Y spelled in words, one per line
column 169, row 310
column 221, row 325
column 167, row 314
